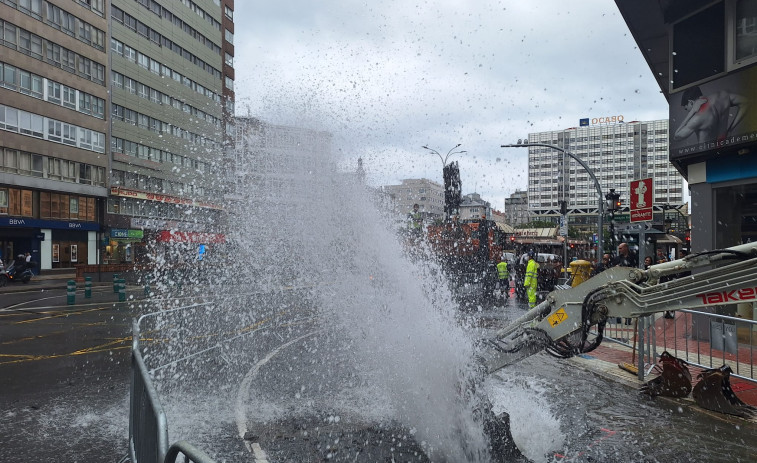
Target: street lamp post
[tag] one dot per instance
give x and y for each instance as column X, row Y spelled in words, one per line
column 449, row 153
column 600, row 203
column 451, row 178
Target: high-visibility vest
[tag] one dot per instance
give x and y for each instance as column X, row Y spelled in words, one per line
column 531, row 272
column 502, row 271
column 417, row 219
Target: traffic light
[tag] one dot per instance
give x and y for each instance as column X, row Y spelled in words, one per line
column 613, row 201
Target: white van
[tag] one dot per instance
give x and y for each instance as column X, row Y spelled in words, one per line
column 543, row 257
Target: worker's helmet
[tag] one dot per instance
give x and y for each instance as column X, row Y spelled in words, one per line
column 531, row 254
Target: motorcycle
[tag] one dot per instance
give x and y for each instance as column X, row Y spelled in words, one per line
column 10, row 274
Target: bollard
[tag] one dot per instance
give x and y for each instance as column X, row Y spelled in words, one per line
column 71, row 292
column 115, row 282
column 121, row 290
column 147, row 286
column 88, row 287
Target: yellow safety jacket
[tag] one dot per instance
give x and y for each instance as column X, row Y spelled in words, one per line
column 502, row 271
column 531, row 273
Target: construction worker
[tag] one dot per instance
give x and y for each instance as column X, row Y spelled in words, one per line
column 416, row 219
column 504, row 278
column 532, row 278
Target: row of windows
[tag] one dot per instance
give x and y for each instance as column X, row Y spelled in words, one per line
column 142, row 29
column 138, row 150
column 154, row 209
column 164, row 13
column 61, row 20
column 201, row 13
column 38, row 47
column 136, row 88
column 156, row 67
column 152, row 124
column 31, row 84
column 34, row 125
column 37, row 165
column 135, row 181
column 97, row 6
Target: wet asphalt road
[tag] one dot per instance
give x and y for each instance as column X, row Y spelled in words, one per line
column 63, row 376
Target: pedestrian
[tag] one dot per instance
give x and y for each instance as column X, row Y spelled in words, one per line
column 504, row 279
column 604, row 265
column 625, row 257
column 416, row 219
column 531, row 281
column 661, row 257
column 647, row 262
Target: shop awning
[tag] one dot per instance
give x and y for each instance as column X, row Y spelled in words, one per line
column 669, row 239
column 168, row 236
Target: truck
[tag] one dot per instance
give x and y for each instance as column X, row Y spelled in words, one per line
column 468, row 253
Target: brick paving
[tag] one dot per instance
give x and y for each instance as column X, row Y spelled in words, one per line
column 606, row 358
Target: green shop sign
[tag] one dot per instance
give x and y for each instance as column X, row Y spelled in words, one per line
column 122, row 233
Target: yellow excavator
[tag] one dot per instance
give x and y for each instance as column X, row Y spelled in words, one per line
column 571, row 321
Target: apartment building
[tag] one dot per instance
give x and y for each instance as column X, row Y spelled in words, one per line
column 616, row 153
column 54, row 125
column 171, row 81
column 429, row 196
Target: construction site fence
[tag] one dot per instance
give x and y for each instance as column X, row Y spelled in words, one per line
column 703, row 339
column 148, row 428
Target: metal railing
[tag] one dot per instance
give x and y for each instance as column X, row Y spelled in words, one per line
column 148, row 428
column 702, row 339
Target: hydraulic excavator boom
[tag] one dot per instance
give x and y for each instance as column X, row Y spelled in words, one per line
column 561, row 324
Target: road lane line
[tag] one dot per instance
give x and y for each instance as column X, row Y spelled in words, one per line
column 244, row 391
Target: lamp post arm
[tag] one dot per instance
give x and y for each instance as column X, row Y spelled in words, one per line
column 600, row 208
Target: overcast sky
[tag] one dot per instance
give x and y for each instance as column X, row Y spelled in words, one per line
column 388, row 76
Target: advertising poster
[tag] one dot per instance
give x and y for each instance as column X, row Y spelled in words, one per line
column 714, row 115
column 74, row 253
column 56, row 252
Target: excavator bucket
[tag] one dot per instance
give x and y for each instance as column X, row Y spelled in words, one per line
column 674, row 378
column 714, row 392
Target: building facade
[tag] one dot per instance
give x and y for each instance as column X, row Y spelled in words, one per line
column 114, row 117
column 171, row 84
column 53, row 129
column 516, row 208
column 473, row 208
column 617, row 153
column 429, row 196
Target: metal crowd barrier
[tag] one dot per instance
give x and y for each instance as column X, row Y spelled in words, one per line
column 148, row 428
column 702, row 339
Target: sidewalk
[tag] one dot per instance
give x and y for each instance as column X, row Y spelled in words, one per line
column 604, row 361
column 48, row 280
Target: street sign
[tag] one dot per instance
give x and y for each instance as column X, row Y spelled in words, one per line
column 641, row 200
column 622, row 218
column 563, row 226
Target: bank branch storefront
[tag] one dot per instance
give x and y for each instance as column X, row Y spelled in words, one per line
column 52, row 243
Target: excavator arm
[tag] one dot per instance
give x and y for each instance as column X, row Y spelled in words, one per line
column 561, row 324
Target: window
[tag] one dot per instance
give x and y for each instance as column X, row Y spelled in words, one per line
column 53, row 92
column 54, row 130
column 9, row 77
column 229, row 60
column 9, row 34
column 699, row 42
column 69, row 134
column 229, row 36
column 229, row 12
column 69, row 97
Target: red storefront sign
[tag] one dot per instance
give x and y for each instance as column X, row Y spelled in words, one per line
column 641, row 200
column 168, row 236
